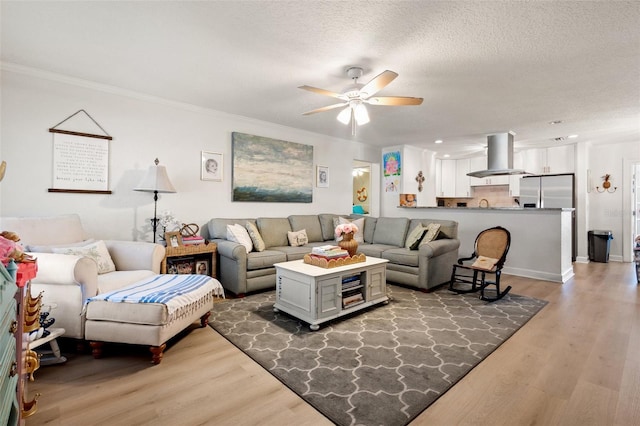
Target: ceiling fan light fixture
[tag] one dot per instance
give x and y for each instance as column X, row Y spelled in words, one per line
column 361, row 114
column 345, row 116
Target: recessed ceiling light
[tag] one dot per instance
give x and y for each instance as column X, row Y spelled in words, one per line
column 555, row 122
column 438, row 141
column 447, row 156
column 572, row 136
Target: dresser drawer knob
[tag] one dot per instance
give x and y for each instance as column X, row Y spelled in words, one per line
column 13, row 327
column 14, row 369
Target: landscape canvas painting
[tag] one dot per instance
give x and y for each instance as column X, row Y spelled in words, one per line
column 271, row 170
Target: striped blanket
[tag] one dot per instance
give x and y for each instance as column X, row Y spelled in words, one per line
column 174, row 291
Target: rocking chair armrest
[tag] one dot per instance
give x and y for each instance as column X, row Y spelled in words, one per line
column 462, row 259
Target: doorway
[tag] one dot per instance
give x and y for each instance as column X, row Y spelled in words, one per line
column 361, row 203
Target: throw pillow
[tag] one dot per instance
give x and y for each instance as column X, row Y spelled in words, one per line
column 96, row 251
column 298, row 238
column 432, row 232
column 415, row 236
column 358, row 236
column 256, row 238
column 238, row 234
column 49, row 248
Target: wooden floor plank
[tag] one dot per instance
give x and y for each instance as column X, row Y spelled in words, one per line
column 577, row 362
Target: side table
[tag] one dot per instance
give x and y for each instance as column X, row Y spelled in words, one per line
column 191, row 259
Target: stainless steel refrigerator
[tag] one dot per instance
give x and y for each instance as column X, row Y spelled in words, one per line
column 551, row 192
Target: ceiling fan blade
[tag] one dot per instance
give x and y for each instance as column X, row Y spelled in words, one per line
column 327, row 108
column 322, row 92
column 378, row 83
column 394, row 100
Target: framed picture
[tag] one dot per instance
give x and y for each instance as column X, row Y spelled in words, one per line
column 270, row 170
column 181, row 265
column 322, row 176
column 211, row 166
column 173, row 239
column 203, row 267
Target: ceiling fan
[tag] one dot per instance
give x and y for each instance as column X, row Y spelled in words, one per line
column 355, row 96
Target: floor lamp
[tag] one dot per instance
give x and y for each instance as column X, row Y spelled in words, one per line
column 156, row 180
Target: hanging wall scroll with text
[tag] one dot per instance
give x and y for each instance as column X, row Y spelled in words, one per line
column 80, row 160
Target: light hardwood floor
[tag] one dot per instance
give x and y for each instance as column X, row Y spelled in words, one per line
column 577, row 362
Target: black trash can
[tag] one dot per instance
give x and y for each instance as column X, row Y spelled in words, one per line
column 599, row 245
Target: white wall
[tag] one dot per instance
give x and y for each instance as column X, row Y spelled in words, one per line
column 143, row 129
column 610, row 211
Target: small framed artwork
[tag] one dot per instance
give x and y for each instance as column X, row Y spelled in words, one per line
column 173, row 239
column 203, row 267
column 211, row 166
column 322, row 176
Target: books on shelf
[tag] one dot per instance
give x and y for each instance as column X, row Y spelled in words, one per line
column 352, row 300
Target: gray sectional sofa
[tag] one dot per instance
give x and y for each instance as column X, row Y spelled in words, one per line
column 241, row 272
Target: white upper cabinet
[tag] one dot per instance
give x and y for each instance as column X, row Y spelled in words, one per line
column 447, row 184
column 463, row 188
column 480, row 163
column 553, row 160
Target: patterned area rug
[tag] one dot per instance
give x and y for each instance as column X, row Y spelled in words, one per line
column 383, row 365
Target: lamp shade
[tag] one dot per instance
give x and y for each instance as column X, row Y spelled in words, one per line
column 156, row 179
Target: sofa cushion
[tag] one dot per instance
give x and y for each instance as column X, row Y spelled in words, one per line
column 256, row 238
column 374, row 250
column 238, row 234
column 294, row 253
column 310, row 223
column 369, row 227
column 401, row 256
column 326, row 224
column 391, row 230
column 297, row 238
column 45, row 230
column 217, row 227
column 274, row 230
column 96, row 251
column 119, row 279
column 264, row 259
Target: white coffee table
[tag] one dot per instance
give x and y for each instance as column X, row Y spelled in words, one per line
column 316, row 295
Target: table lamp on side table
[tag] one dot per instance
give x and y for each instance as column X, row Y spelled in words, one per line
column 156, row 180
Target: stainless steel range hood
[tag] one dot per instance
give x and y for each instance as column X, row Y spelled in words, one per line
column 499, row 157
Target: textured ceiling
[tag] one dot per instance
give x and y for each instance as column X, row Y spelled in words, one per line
column 481, row 67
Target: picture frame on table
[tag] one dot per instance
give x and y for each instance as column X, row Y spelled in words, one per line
column 322, row 176
column 211, row 166
column 173, row 239
column 203, row 267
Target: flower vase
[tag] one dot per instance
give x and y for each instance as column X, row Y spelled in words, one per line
column 349, row 244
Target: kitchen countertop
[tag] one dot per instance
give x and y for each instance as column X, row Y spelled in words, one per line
column 528, row 209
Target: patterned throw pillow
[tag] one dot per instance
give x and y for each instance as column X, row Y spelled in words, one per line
column 432, row 232
column 238, row 234
column 415, row 237
column 96, row 251
column 298, row 238
column 256, row 238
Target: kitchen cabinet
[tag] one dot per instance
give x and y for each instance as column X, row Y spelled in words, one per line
column 552, row 160
column 463, row 182
column 446, row 184
column 480, row 163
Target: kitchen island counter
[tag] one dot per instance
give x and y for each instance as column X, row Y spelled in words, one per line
column 541, row 239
